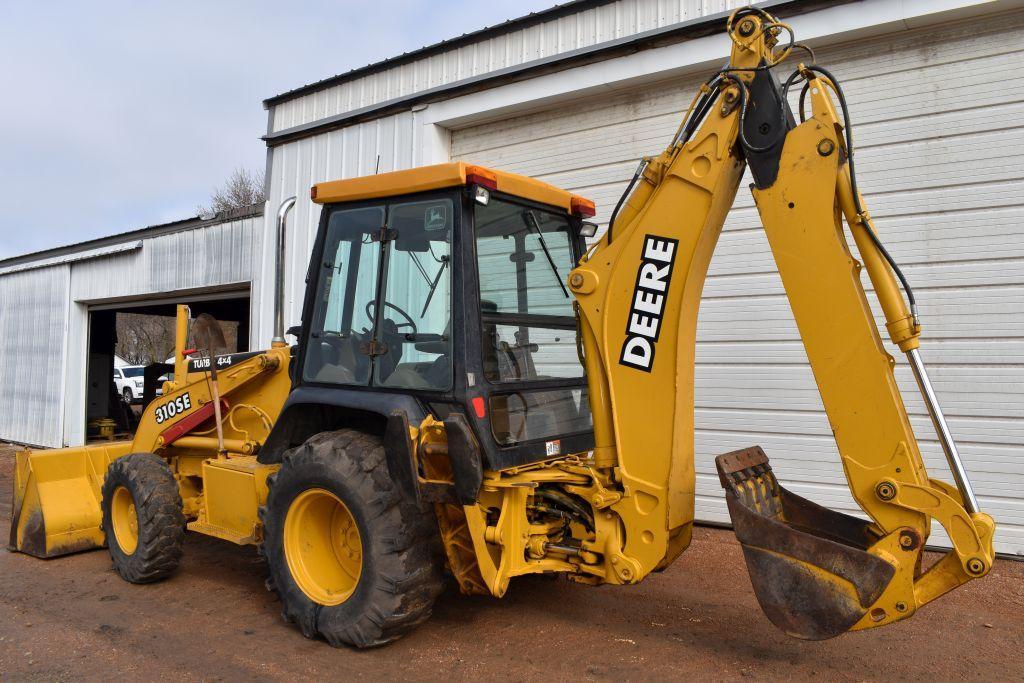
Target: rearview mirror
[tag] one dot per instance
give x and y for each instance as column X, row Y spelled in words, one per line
column 414, row 241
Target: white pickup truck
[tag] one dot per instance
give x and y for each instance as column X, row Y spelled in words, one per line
column 129, row 382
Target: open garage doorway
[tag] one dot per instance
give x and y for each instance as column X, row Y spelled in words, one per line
column 130, row 353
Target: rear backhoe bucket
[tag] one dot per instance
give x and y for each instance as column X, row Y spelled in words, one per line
column 808, row 564
column 56, row 504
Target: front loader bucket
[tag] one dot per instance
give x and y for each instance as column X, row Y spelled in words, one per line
column 56, row 505
column 807, row 563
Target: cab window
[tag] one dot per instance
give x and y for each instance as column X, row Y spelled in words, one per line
column 523, row 258
column 528, row 326
column 382, row 307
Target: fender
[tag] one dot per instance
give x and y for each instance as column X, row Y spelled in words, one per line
column 463, row 453
column 311, row 410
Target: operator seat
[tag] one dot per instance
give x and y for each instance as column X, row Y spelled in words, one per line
column 435, row 374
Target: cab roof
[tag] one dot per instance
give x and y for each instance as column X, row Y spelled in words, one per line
column 451, row 174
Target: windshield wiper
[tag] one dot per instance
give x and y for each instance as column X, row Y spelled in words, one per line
column 433, row 285
column 423, row 271
column 426, row 278
column 531, row 222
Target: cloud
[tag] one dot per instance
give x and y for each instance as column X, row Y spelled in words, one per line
column 119, row 115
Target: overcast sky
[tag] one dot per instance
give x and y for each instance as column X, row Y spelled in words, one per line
column 119, row 115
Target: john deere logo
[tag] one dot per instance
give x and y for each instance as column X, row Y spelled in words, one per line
column 436, row 218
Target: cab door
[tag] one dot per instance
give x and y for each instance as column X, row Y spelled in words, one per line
column 347, row 274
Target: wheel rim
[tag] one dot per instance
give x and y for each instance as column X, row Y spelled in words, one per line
column 322, row 547
column 125, row 520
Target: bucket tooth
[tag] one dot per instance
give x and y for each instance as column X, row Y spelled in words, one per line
column 809, row 565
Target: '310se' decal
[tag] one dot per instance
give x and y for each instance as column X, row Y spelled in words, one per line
column 172, row 408
column 644, row 322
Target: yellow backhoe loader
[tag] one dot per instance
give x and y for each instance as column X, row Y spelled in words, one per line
column 474, row 388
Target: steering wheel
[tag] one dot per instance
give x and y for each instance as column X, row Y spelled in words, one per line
column 371, row 305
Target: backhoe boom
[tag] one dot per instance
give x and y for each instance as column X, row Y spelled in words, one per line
column 817, row 573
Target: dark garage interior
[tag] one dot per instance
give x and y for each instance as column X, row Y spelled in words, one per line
column 108, row 414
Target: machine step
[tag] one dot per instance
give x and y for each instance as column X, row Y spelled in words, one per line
column 223, row 533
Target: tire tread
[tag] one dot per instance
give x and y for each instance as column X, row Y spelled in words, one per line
column 408, row 555
column 161, row 521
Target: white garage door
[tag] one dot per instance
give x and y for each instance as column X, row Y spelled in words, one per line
column 938, row 120
column 33, row 325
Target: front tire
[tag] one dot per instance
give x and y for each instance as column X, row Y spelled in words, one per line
column 142, row 518
column 128, row 396
column 351, row 558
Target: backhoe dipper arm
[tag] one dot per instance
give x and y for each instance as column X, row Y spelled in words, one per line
column 817, row 573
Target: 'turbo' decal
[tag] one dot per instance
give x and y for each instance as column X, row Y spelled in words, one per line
column 644, row 323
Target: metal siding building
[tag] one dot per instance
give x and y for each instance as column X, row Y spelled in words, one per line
column 46, row 299
column 577, row 94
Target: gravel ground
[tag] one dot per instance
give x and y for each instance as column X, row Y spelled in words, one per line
column 74, row 618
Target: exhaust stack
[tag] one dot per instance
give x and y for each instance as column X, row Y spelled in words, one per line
column 282, row 229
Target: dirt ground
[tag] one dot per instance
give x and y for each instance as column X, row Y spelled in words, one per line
column 74, row 618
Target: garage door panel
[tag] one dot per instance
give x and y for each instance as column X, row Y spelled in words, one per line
column 626, row 142
column 999, row 114
column 759, row 277
column 921, row 164
column 938, row 258
column 947, row 313
column 921, row 154
column 912, row 51
column 1005, row 432
column 993, row 391
column 953, row 198
column 814, row 459
column 628, row 134
column 992, row 444
column 936, row 352
column 960, row 84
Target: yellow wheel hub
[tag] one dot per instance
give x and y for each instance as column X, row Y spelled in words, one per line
column 125, row 520
column 322, row 547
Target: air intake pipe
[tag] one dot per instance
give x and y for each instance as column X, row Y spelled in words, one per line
column 282, row 232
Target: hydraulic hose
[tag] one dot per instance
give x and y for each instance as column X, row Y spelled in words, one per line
column 848, row 130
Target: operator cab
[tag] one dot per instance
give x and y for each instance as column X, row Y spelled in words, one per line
column 454, row 295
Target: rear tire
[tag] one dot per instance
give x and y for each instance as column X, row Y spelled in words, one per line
column 142, row 518
column 369, row 566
